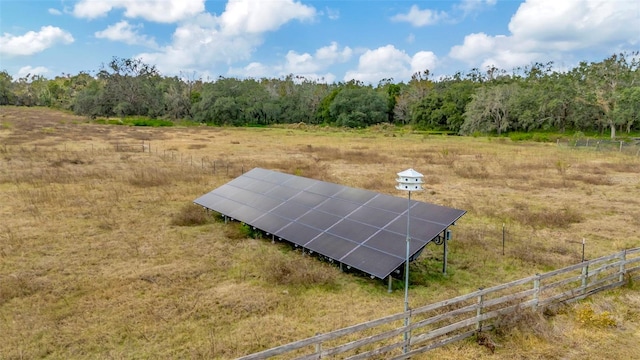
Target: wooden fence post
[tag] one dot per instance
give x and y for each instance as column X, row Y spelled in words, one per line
column 319, row 348
column 536, row 294
column 407, row 332
column 623, row 262
column 479, row 311
column 585, row 275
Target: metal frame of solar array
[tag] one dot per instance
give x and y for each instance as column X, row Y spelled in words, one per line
column 359, row 228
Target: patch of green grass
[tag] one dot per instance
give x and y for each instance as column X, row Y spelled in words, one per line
column 139, row 121
column 534, row 136
column 109, row 121
column 136, row 121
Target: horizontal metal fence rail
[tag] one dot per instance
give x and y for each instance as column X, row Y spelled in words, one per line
column 454, row 319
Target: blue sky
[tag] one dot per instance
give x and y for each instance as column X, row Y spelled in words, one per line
column 331, row 40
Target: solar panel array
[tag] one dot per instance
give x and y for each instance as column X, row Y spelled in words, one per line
column 359, row 228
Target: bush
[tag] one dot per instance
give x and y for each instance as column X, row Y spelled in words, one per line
column 587, row 316
column 533, row 136
column 191, row 215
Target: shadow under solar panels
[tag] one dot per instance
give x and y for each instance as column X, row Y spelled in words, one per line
column 362, row 229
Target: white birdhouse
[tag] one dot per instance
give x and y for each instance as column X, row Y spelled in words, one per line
column 409, row 180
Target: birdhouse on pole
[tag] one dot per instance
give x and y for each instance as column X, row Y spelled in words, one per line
column 409, row 180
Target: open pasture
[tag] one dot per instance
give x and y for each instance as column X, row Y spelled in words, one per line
column 102, row 254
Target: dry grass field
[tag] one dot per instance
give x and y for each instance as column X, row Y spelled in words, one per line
column 103, row 255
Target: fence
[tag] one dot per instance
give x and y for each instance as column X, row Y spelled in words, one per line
column 451, row 320
column 627, row 147
column 206, row 164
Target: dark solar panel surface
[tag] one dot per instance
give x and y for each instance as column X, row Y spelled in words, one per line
column 360, row 228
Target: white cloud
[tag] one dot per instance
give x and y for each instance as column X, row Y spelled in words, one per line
column 208, row 41
column 126, row 33
column 332, row 54
column 332, row 14
column 253, row 70
column 389, row 62
column 543, row 30
column 303, row 64
column 481, row 50
column 258, row 71
column 474, row 46
column 471, row 6
column 423, row 60
column 34, row 42
column 202, row 45
column 418, row 18
column 300, row 63
column 562, row 25
column 94, row 9
column 255, row 17
column 29, row 70
column 162, row 11
column 53, row 11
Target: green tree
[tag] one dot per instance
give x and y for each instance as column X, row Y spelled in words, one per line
column 131, row 88
column 443, row 108
column 410, row 95
column 7, row 96
column 358, row 107
column 90, row 100
column 627, row 111
column 602, row 82
column 490, row 109
column 392, row 92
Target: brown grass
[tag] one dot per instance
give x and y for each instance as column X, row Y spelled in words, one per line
column 103, row 255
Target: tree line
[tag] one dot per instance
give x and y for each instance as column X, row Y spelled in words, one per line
column 599, row 97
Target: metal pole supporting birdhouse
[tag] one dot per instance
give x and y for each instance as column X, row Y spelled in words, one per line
column 408, row 180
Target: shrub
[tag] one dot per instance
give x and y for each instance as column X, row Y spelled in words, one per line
column 191, row 215
column 587, row 316
column 523, row 320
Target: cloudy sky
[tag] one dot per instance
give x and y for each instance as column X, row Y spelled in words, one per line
column 330, row 40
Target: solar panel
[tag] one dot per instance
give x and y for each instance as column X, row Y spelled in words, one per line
column 362, row 229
